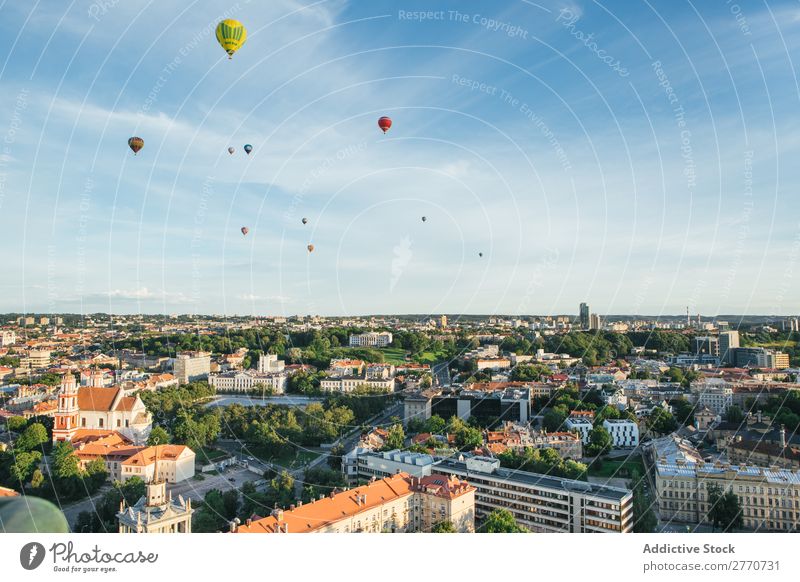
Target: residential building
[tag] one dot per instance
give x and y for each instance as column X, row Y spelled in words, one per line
column 362, row 464
column 192, row 366
column 624, row 433
column 270, row 364
column 769, row 497
column 542, row 503
column 594, row 321
column 347, row 375
column 7, row 338
column 581, row 425
column 371, row 339
column 399, row 503
column 35, row 359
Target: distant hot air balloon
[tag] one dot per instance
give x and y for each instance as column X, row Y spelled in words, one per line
column 424, row 219
column 245, row 230
column 135, row 143
column 231, row 35
column 231, row 150
column 385, row 123
column 480, row 254
column 305, row 220
column 248, row 148
column 310, row 248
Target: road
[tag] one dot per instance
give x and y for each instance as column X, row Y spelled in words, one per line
column 193, row 488
column 294, row 401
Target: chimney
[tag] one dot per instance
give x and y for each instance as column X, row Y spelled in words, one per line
column 249, row 522
column 783, row 437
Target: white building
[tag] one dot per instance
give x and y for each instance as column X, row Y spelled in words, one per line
column 583, row 426
column 371, row 339
column 362, row 464
column 7, row 338
column 192, row 366
column 624, row 433
column 716, row 396
column 249, row 380
column 269, row 363
column 543, row 503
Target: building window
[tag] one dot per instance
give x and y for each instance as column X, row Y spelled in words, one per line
column 101, row 423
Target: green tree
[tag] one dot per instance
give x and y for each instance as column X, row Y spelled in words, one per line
column 24, row 465
column 395, row 438
column 16, row 423
column 444, row 527
column 37, row 480
column 158, row 436
column 32, row 438
column 501, row 521
column 644, row 519
column 734, row 415
column 725, row 512
column 599, row 441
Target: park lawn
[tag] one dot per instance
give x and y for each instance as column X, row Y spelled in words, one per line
column 290, row 457
column 208, row 455
column 394, row 356
column 630, row 468
column 429, row 357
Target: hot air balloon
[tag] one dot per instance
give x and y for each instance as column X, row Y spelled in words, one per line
column 305, row 220
column 480, row 254
column 135, row 143
column 245, row 230
column 310, row 248
column 385, row 123
column 424, row 219
column 231, row 150
column 248, row 148
column 231, row 35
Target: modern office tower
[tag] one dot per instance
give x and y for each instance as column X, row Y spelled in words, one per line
column 584, row 315
column 727, row 341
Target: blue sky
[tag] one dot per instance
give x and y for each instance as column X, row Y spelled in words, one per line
column 638, row 156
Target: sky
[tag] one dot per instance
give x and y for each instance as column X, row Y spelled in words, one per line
column 641, row 157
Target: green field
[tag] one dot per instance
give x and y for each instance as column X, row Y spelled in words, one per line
column 207, row 455
column 290, row 457
column 394, row 355
column 430, row 357
column 630, row 468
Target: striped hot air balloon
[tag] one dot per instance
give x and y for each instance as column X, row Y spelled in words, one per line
column 231, row 35
column 135, row 143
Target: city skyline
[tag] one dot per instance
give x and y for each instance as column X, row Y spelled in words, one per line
column 631, row 154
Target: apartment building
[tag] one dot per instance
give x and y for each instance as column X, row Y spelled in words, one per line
column 769, row 497
column 542, row 503
column 580, row 424
column 347, row 375
column 192, row 366
column 624, row 433
column 371, row 339
column 7, row 338
column 363, row 464
column 400, row 503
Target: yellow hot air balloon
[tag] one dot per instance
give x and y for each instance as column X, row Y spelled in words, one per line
column 231, row 35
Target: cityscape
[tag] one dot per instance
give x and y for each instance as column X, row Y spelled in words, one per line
column 311, row 424
column 399, row 267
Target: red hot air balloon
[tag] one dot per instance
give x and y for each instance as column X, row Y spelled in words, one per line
column 385, row 123
column 310, row 248
column 245, row 230
column 135, row 143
